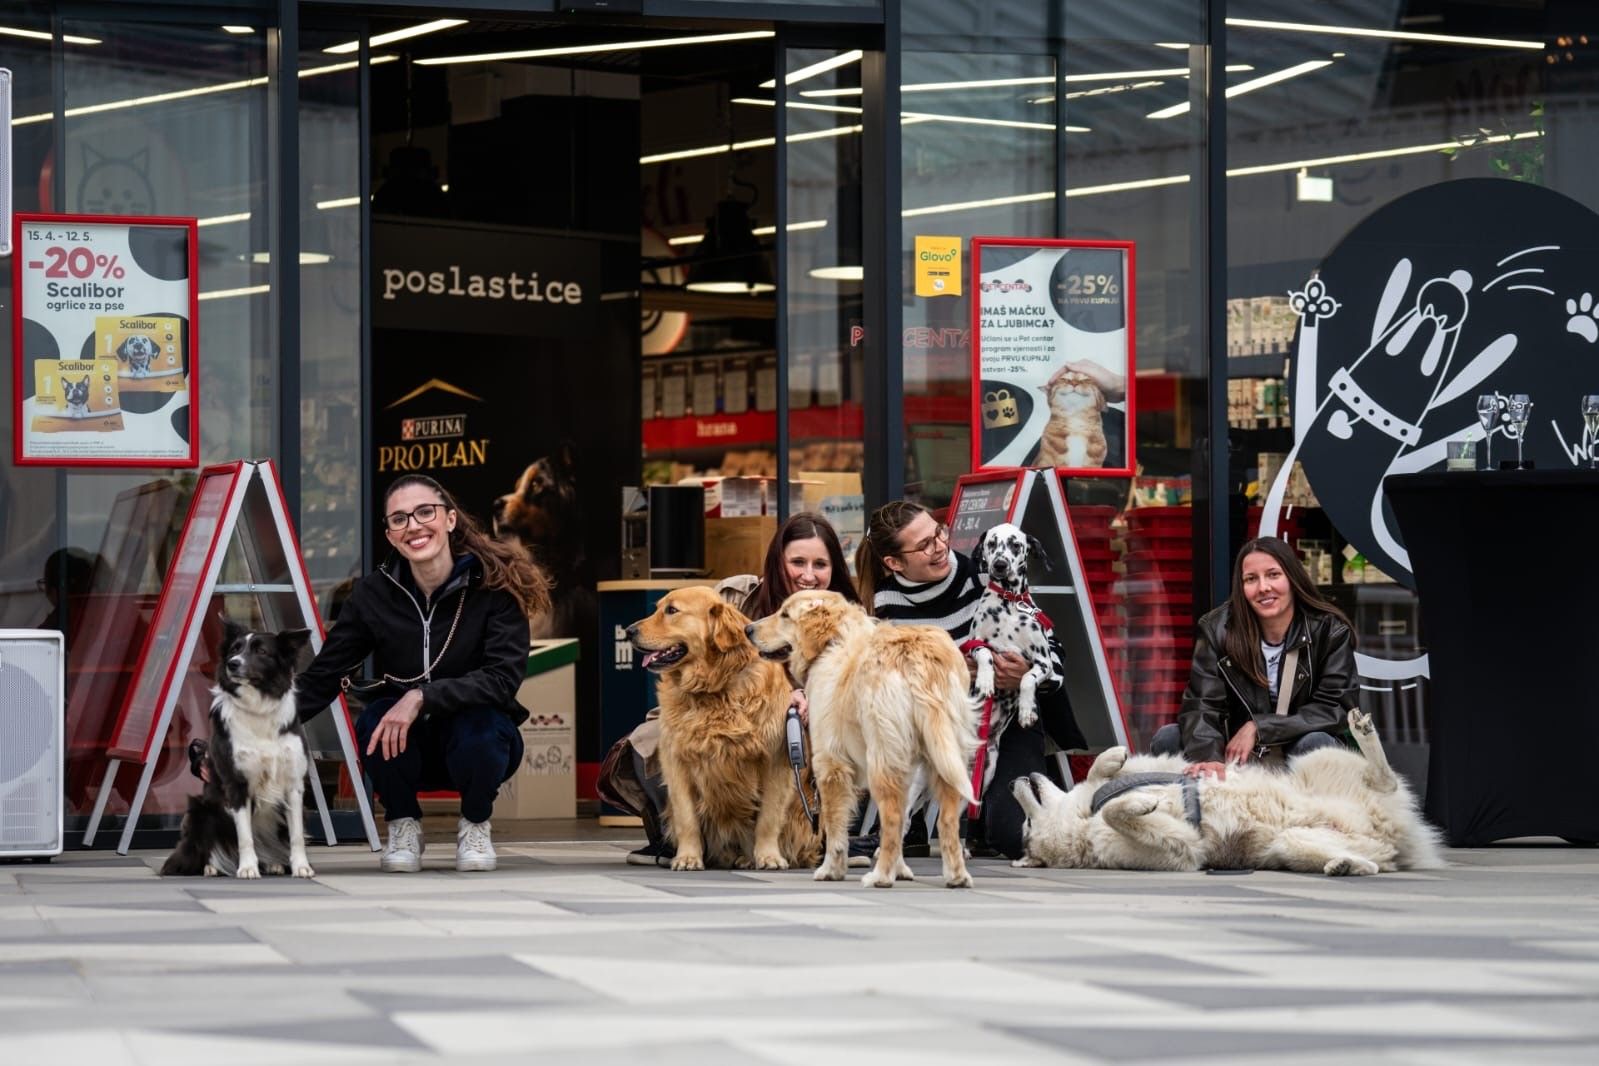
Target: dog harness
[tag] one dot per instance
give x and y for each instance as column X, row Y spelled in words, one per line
column 986, row 723
column 1131, row 782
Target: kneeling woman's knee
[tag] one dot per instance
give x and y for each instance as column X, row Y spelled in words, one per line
column 480, row 735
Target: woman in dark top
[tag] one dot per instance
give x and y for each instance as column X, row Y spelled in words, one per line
column 1274, row 616
column 445, row 620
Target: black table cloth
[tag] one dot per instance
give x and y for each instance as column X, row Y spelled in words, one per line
column 1509, row 584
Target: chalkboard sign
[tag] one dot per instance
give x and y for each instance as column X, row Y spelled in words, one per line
column 981, row 502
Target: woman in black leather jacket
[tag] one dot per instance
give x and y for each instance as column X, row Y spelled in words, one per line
column 1229, row 712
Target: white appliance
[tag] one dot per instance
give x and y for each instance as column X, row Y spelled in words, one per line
column 32, row 713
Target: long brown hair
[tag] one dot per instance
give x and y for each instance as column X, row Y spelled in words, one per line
column 773, row 589
column 881, row 541
column 506, row 564
column 1242, row 639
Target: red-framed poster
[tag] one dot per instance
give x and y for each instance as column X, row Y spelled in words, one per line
column 1053, row 355
column 982, row 500
column 104, row 341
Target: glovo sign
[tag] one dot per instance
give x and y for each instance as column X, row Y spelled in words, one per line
column 938, row 266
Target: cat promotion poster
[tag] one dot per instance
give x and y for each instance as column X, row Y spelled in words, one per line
column 104, row 341
column 1052, row 355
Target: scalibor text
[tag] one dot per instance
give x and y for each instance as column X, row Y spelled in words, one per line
column 438, row 455
column 451, row 282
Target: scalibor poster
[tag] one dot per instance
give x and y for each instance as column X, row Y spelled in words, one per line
column 1052, row 353
column 103, row 330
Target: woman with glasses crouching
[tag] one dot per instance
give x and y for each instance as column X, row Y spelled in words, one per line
column 445, row 620
column 909, row 575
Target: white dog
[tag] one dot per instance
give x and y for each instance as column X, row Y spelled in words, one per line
column 1330, row 812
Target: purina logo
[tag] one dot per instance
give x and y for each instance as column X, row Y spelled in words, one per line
column 433, row 428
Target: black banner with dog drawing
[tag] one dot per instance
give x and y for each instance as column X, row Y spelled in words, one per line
column 534, row 433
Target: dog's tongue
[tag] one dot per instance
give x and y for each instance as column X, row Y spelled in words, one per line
column 649, row 659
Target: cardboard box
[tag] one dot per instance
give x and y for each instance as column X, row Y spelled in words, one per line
column 545, row 784
column 737, row 545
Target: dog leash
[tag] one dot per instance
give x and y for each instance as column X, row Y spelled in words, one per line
column 794, row 730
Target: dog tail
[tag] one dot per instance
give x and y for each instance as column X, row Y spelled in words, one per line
column 950, row 735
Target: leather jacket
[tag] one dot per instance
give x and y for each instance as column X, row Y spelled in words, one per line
column 1221, row 696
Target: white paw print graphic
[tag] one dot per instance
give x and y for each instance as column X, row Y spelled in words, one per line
column 1583, row 315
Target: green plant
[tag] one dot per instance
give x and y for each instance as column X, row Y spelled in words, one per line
column 1517, row 154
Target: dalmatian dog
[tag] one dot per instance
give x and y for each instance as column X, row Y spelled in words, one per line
column 1008, row 620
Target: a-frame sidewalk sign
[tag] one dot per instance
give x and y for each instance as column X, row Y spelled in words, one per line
column 245, row 499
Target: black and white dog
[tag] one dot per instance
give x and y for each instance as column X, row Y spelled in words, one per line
column 249, row 817
column 138, row 352
column 1007, row 620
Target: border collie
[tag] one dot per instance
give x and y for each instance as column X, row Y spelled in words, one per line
column 249, row 817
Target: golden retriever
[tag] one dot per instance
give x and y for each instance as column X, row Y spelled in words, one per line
column 889, row 710
column 729, row 785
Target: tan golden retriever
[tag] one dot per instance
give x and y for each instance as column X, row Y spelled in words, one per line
column 889, row 710
column 730, row 789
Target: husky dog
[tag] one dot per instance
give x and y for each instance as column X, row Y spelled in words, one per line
column 249, row 818
column 1332, row 812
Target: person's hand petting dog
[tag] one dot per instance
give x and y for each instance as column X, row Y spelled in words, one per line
column 395, row 726
column 1240, row 749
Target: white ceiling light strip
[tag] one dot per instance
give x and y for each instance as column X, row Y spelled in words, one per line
column 739, row 146
column 1002, row 83
column 1250, row 86
column 917, row 116
column 1394, row 35
column 41, row 35
column 815, row 68
column 184, row 94
column 1235, row 172
column 238, row 31
column 759, row 231
column 224, row 294
column 397, row 35
column 589, row 49
column 222, row 220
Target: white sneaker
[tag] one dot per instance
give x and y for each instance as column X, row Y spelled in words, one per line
column 404, row 853
column 474, row 851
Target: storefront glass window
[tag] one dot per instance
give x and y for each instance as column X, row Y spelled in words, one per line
column 1032, row 123
column 148, row 136
column 332, row 524
column 1398, row 149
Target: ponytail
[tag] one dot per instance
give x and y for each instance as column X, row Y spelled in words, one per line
column 881, row 541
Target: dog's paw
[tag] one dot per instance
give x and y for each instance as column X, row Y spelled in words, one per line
column 249, row 871
column 983, row 684
column 774, row 861
column 1026, row 715
column 1360, row 721
column 1110, row 762
column 902, row 872
column 742, row 862
column 960, row 880
column 688, row 862
column 1131, row 805
column 273, row 869
column 1349, row 866
column 210, row 871
column 303, row 869
column 873, row 879
column 1026, row 862
column 828, row 872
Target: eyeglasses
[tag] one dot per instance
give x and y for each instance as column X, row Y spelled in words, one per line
column 925, row 547
column 398, row 520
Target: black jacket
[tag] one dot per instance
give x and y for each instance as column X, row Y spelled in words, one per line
column 388, row 618
column 1221, row 696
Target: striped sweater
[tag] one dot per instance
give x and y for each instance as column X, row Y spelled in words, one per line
column 948, row 604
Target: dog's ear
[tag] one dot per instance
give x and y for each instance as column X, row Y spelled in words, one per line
column 231, row 631
column 980, row 554
column 1037, row 551
column 292, row 641
column 727, row 628
column 565, row 458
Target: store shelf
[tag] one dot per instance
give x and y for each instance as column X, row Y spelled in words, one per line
column 842, row 422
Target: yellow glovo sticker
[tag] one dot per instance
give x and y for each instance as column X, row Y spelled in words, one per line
column 938, row 266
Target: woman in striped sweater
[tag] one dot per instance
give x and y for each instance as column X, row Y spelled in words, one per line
column 908, row 574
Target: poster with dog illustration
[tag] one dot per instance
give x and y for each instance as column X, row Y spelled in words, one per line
column 104, row 341
column 1052, row 355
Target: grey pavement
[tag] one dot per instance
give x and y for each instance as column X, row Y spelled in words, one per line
column 568, row 954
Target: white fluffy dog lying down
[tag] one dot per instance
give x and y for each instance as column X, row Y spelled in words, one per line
column 1331, row 811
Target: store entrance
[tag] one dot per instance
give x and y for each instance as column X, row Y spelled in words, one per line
column 574, row 278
